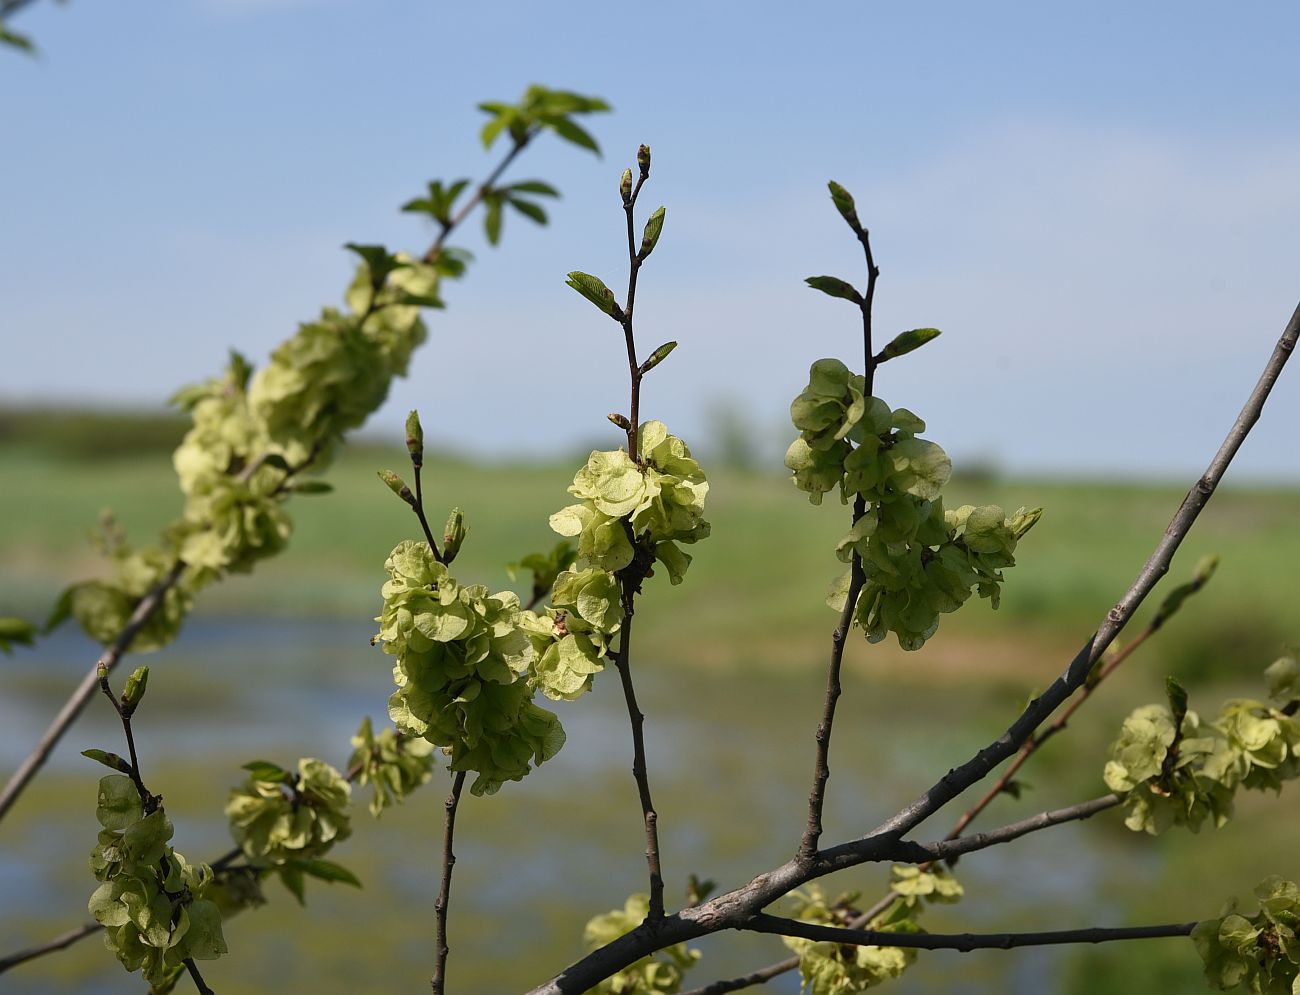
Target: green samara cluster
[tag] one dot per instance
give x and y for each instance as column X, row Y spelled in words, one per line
column 395, row 765
column 1177, row 770
column 571, row 638
column 1260, row 953
column 152, row 903
column 656, row 504
column 840, row 969
column 661, row 973
column 278, row 818
column 919, row 560
column 252, row 435
column 463, row 658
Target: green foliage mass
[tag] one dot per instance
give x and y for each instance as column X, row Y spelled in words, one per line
column 1259, row 953
column 1179, row 771
column 661, row 973
column 153, row 904
column 570, row 640
column 653, row 504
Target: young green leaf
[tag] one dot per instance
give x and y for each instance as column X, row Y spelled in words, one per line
column 594, row 289
column 534, row 187
column 264, row 770
column 378, row 260
column 326, row 870
column 110, row 760
column 133, row 693
column 571, row 132
column 657, row 357
column 834, row 287
column 492, row 218
column 528, row 209
column 312, row 487
column 397, row 485
column 15, row 630
column 503, row 117
column 653, row 226
column 906, row 342
column 1177, row 695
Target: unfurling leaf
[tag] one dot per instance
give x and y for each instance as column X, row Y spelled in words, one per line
column 657, row 357
column 110, row 760
column 264, row 770
column 453, row 534
column 653, row 226
column 134, row 690
column 906, row 342
column 492, row 219
column 528, row 209
column 834, row 287
column 643, row 160
column 15, row 630
column 378, row 261
column 397, row 485
column 1177, row 696
column 594, row 289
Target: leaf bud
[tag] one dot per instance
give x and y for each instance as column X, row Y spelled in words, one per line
column 625, row 186
column 620, row 420
column 643, row 160
column 650, row 238
column 134, row 690
column 453, row 534
column 101, row 670
column 397, row 486
column 415, row 439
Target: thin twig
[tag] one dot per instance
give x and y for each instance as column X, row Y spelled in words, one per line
column 444, row 892
column 199, row 983
column 821, row 766
column 764, row 923
column 77, row 701
column 60, row 942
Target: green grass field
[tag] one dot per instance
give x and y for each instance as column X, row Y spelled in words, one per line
column 755, row 593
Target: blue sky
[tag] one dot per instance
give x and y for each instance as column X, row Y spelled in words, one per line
column 1098, row 204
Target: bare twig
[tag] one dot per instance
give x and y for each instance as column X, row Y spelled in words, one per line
column 79, row 698
column 199, row 983
column 763, row 923
column 444, row 892
column 60, row 942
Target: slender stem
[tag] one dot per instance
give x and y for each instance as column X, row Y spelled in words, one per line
column 760, row 977
column 821, row 767
column 483, row 190
column 857, row 577
column 444, row 892
column 60, row 942
column 199, row 983
column 764, row 923
column 418, row 507
column 634, row 261
column 637, row 719
column 88, row 687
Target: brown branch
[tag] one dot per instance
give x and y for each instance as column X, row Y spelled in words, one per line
column 733, row 909
column 764, row 923
column 77, row 701
column 444, row 892
column 199, row 983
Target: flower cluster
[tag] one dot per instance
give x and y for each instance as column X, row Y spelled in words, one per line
column 152, row 902
column 660, row 973
column 827, row 968
column 463, row 658
column 656, row 503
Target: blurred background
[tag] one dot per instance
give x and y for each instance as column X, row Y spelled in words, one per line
column 1096, row 205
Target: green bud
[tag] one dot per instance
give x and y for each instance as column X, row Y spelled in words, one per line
column 643, row 160
column 134, row 691
column 1205, row 568
column 397, row 486
column 453, row 534
column 620, row 420
column 657, row 357
column 843, row 202
column 625, row 186
column 650, row 238
column 415, row 439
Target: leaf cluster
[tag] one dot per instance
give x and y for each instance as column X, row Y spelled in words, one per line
column 660, row 973
column 394, row 764
column 1257, row 954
